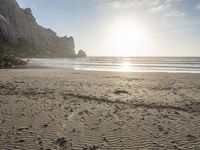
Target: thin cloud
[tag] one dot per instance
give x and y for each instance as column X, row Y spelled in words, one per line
column 172, row 1
column 125, row 3
column 175, row 13
column 165, row 7
column 198, row 6
column 158, row 8
column 151, row 5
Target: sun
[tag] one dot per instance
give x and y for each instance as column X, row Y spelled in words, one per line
column 127, row 37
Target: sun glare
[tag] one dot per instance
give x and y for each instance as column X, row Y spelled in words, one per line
column 125, row 66
column 127, row 38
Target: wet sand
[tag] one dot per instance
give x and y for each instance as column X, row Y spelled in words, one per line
column 66, row 109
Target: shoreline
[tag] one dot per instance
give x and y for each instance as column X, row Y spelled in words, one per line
column 124, row 64
column 69, row 109
column 98, row 71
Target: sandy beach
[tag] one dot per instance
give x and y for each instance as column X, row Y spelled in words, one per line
column 81, row 110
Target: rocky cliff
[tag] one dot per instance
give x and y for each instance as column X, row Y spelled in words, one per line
column 20, row 35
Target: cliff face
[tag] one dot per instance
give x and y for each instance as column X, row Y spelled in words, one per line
column 20, row 34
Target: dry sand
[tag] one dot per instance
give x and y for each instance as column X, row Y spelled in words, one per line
column 66, row 109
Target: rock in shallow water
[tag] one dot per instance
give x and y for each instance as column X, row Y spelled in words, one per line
column 11, row 61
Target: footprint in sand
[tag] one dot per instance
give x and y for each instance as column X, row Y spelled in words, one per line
column 118, row 92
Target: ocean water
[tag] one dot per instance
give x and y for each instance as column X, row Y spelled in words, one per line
column 123, row 64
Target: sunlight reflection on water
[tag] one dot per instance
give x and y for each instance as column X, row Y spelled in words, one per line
column 125, row 67
column 123, row 64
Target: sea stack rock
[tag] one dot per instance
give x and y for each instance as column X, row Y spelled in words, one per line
column 81, row 53
column 21, row 36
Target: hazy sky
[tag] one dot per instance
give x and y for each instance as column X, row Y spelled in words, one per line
column 124, row 27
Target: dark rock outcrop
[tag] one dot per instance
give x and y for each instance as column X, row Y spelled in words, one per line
column 20, row 35
column 81, row 53
column 7, row 61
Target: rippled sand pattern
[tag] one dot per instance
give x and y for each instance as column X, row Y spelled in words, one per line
column 56, row 109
